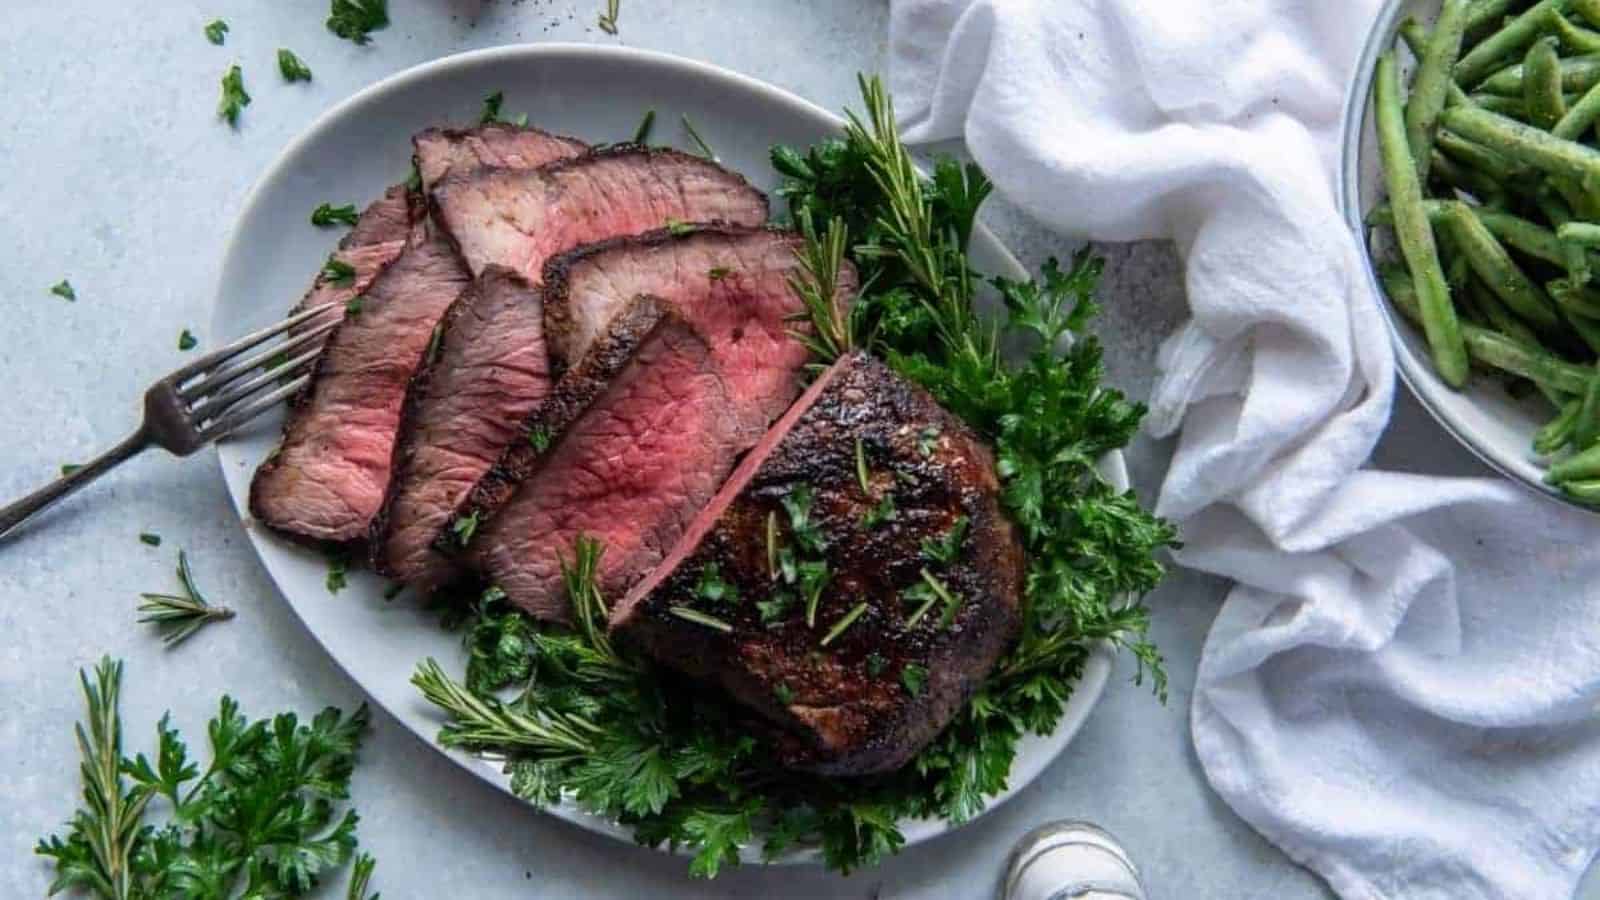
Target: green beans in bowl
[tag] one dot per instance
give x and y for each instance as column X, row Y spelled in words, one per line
column 1472, row 170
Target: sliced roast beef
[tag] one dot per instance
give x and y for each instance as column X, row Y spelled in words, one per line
column 485, row 373
column 380, row 233
column 632, row 442
column 731, row 282
column 853, row 581
column 521, row 218
column 495, row 144
column 327, row 480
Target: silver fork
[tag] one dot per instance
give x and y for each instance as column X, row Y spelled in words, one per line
column 202, row 402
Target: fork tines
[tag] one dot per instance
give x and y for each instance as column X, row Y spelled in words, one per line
column 228, row 387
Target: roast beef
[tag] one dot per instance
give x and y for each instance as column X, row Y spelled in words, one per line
column 917, row 576
column 500, row 144
column 379, row 235
column 485, row 373
column 521, row 218
column 731, row 282
column 327, row 480
column 634, row 439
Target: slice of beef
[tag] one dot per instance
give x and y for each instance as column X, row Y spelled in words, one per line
column 519, row 219
column 327, row 480
column 380, row 233
column 795, row 514
column 633, row 441
column 439, row 151
column 731, row 282
column 486, row 371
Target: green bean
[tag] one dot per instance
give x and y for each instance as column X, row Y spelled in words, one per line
column 1575, row 39
column 1574, row 257
column 1589, row 10
column 1523, row 235
column 1585, row 492
column 1587, row 426
column 1416, row 38
column 1574, row 300
column 1505, row 106
column 1522, row 142
column 1508, row 41
column 1494, row 265
column 1579, row 117
column 1499, row 317
column 1486, row 15
column 1578, row 74
column 1413, row 231
column 1585, row 233
column 1479, row 157
column 1470, row 180
column 1557, row 433
column 1431, row 82
column 1581, row 466
column 1541, row 84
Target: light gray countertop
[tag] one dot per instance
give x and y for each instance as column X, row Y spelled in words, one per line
column 119, row 177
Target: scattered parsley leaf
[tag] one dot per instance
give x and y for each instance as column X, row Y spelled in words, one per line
column 946, row 548
column 338, row 568
column 394, row 590
column 234, row 98
column 337, row 271
column 63, row 289
column 712, row 587
column 352, row 307
column 876, row 664
column 678, row 229
column 465, row 527
column 217, row 32
column 491, row 108
column 292, row 68
column 153, row 540
column 327, row 214
column 69, row 468
column 608, row 19
column 783, row 692
column 355, row 20
column 540, row 438
column 883, row 512
column 717, row 273
column 927, row 439
column 775, row 607
column 913, row 678
column 187, row 340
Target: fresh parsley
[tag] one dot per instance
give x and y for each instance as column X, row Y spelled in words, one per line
column 234, row 97
column 352, row 307
column 539, row 437
column 946, row 548
column 153, row 540
column 491, row 111
column 608, row 19
column 338, row 572
column 69, row 468
column 262, row 816
column 913, row 678
column 465, row 527
column 327, row 214
column 880, row 513
column 678, row 228
column 177, row 617
column 291, row 67
column 713, row 588
column 187, row 341
column 717, row 273
column 217, row 32
column 338, row 272
column 355, row 20
column 63, row 289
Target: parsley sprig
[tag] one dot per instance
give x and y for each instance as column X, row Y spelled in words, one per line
column 234, row 97
column 355, row 20
column 261, row 818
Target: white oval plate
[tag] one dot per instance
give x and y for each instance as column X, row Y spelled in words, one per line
column 362, row 146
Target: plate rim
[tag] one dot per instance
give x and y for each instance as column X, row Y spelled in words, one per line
column 1098, row 666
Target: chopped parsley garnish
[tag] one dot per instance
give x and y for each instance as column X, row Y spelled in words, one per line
column 913, row 678
column 699, row 142
column 414, row 180
column 338, row 567
column 355, row 20
column 491, row 108
column 540, row 438
column 717, row 273
column 465, row 527
column 783, row 692
column 217, row 32
column 927, row 439
column 352, row 307
column 797, row 503
column 646, row 125
column 923, row 597
column 234, row 98
column 946, row 548
column 394, row 590
column 63, row 289
column 261, row 818
column 678, row 228
column 608, row 19
column 699, row 618
column 291, row 67
column 775, row 607
column 327, row 214
column 339, row 272
column 146, row 537
column 883, row 512
column 178, row 617
column 69, row 468
column 713, row 587
column 876, row 664
column 843, row 625
column 814, row 577
column 435, row 340
column 187, row 340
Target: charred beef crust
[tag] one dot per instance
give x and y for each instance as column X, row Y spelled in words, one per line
column 846, row 709
column 558, row 324
column 569, row 399
column 489, row 133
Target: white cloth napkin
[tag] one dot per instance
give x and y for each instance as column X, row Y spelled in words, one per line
column 1400, row 691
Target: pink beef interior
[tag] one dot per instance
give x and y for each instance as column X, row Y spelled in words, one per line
column 500, row 144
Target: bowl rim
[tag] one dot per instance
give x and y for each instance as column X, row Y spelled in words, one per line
column 1418, row 377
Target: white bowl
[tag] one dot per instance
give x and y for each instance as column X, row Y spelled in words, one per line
column 1483, row 417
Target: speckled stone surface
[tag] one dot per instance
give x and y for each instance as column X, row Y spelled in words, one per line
column 118, row 176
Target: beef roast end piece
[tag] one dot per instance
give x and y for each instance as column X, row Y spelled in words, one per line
column 794, row 520
column 439, row 151
column 486, row 371
column 632, row 443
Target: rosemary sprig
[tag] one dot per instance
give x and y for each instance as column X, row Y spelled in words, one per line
column 690, row 614
column 844, row 623
column 483, row 723
column 832, row 332
column 646, row 125
column 700, row 142
column 177, row 618
column 608, row 19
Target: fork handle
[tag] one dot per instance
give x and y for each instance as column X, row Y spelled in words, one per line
column 22, row 510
